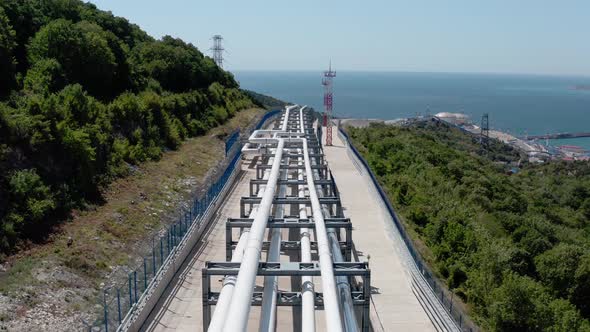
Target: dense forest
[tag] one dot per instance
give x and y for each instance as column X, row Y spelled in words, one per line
column 514, row 244
column 84, row 95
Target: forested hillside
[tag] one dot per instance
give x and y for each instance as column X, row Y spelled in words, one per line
column 84, row 96
column 266, row 101
column 514, row 247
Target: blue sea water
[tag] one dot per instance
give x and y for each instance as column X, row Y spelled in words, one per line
column 518, row 104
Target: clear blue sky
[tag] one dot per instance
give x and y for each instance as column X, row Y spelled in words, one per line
column 504, row 36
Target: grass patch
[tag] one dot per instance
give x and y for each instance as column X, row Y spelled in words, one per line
column 19, row 274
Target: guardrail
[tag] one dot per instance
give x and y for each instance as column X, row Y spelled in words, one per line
column 120, row 301
column 445, row 297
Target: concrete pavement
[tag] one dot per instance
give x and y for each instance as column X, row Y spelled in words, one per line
column 396, row 308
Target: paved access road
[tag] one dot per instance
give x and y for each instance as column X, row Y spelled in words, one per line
column 396, row 308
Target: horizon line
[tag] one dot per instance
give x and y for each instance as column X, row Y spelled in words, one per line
column 586, row 76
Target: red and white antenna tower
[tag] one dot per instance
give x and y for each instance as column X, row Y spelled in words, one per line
column 328, row 102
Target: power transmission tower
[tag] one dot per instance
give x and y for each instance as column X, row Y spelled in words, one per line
column 218, row 50
column 485, row 130
column 328, row 103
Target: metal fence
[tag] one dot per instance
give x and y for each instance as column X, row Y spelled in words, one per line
column 444, row 295
column 266, row 117
column 231, row 140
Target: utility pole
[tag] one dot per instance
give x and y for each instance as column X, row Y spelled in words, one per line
column 485, row 130
column 218, row 50
column 328, row 102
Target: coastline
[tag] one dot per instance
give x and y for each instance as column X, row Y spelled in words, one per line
column 537, row 151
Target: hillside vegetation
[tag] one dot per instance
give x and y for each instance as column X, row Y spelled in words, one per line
column 84, row 96
column 266, row 101
column 514, row 247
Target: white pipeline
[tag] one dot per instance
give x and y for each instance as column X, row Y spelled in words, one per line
column 271, row 287
column 225, row 295
column 244, row 287
column 253, row 147
column 331, row 305
column 307, row 289
column 240, row 302
column 347, row 305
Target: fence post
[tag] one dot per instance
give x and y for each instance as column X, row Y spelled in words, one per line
column 174, row 235
column 161, row 252
column 144, row 275
column 153, row 260
column 168, row 238
column 180, row 232
column 130, row 294
column 119, row 304
column 106, row 313
column 135, row 284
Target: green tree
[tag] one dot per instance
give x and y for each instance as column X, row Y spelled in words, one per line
column 177, row 66
column 31, row 202
column 557, row 266
column 585, row 209
column 45, row 76
column 518, row 306
column 84, row 55
column 580, row 289
column 7, row 60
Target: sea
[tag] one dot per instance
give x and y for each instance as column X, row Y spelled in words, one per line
column 518, row 104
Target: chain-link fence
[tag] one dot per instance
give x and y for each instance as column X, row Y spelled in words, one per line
column 445, row 297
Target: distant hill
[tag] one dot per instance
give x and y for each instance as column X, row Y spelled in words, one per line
column 85, row 94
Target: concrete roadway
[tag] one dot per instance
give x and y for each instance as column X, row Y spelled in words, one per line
column 396, row 308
